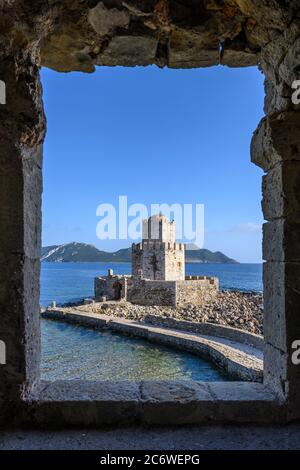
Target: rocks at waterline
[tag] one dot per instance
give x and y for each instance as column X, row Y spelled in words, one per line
column 236, row 309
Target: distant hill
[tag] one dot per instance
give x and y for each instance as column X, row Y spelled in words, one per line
column 82, row 252
column 207, row 256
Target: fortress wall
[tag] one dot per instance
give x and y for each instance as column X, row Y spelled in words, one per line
column 113, row 288
column 196, row 292
column 143, row 292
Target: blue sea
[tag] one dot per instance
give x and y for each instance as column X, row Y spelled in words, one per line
column 66, row 282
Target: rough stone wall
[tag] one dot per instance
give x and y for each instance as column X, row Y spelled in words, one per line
column 154, row 260
column 156, row 292
column 196, row 292
column 136, row 259
column 159, row 257
column 79, row 34
column 113, row 288
column 22, row 128
column 159, row 261
column 276, row 149
column 143, row 292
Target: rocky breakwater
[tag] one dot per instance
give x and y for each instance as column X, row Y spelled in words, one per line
column 235, row 309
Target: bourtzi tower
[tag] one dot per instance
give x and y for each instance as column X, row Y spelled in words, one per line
column 158, row 272
column 158, row 256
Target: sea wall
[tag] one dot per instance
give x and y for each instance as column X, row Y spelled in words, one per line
column 194, row 290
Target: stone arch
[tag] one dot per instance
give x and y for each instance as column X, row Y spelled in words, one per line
column 76, row 35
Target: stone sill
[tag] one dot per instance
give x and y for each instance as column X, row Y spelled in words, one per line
column 95, row 404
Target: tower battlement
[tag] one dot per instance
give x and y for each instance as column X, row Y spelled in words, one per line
column 159, row 228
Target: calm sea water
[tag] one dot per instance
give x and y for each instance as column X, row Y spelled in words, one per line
column 74, row 352
column 65, row 282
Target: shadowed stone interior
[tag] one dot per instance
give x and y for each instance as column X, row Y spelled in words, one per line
column 80, row 34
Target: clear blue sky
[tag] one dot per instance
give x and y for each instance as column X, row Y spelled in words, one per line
column 156, row 136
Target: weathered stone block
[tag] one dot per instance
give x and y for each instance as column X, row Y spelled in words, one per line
column 105, row 20
column 129, row 51
column 176, row 402
column 276, row 366
column 239, row 391
column 289, row 67
column 33, row 187
column 276, row 139
column 281, row 195
column 245, row 402
column 282, row 305
column 187, row 49
column 11, row 213
column 281, row 241
column 88, row 403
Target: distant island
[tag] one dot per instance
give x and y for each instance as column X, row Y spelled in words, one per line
column 82, row 252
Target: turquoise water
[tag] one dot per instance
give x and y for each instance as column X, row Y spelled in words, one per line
column 74, row 352
column 65, row 282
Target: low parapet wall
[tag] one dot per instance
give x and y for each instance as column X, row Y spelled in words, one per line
column 210, row 329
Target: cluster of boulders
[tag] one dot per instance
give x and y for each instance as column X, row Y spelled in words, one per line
column 235, row 309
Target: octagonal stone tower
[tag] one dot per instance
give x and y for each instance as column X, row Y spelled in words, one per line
column 158, row 257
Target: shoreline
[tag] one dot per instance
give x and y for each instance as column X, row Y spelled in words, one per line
column 80, row 300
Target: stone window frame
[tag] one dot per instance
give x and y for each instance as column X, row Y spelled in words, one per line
column 24, row 399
